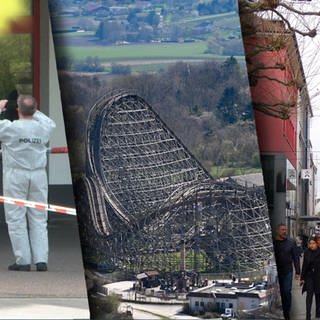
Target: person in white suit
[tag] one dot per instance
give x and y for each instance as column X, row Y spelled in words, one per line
column 24, row 159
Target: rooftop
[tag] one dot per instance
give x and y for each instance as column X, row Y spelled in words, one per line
column 230, row 290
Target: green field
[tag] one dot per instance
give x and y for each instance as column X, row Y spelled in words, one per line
column 215, row 17
column 159, row 51
column 220, row 171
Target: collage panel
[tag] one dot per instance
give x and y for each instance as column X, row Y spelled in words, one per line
column 165, row 163
column 281, row 41
column 169, row 214
column 41, row 269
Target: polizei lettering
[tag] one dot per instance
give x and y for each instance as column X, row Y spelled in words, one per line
column 30, row 140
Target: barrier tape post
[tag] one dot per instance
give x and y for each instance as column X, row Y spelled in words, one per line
column 39, row 206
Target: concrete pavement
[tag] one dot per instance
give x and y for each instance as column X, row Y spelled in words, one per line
column 59, row 293
column 43, row 308
column 298, row 309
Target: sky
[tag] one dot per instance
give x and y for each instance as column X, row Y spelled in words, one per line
column 310, row 54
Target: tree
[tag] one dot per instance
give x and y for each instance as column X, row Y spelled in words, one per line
column 213, row 46
column 90, row 64
column 216, row 6
column 111, row 31
column 64, row 63
column 133, row 20
column 15, row 63
column 145, row 33
column 153, row 19
column 231, row 66
column 120, row 69
column 279, row 22
column 228, row 106
column 86, row 24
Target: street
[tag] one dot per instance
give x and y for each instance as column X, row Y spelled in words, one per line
column 156, row 311
column 153, row 309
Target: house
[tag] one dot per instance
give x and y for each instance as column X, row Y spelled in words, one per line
column 70, row 12
column 142, row 5
column 119, row 11
column 148, row 279
column 221, row 296
column 97, row 10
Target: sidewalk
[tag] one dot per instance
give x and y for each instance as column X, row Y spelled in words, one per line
column 59, row 293
column 298, row 309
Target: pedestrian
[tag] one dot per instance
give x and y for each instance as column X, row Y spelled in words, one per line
column 299, row 246
column 310, row 276
column 24, row 159
column 286, row 254
column 318, row 240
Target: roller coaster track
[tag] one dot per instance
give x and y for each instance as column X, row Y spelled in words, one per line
column 145, row 194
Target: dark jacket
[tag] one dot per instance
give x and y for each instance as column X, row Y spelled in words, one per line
column 286, row 255
column 311, row 270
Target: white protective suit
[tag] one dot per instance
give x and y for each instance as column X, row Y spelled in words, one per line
column 24, row 159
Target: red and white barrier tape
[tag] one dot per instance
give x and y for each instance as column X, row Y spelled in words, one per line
column 54, row 150
column 39, row 206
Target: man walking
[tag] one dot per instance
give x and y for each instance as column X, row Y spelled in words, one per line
column 24, row 161
column 287, row 256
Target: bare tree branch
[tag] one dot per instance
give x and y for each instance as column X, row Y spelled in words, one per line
column 301, row 13
column 261, row 66
column 286, row 84
column 274, row 35
column 275, row 45
column 311, row 33
column 280, row 109
column 248, row 6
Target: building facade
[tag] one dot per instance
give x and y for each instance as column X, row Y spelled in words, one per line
column 222, row 296
column 282, row 114
column 28, row 67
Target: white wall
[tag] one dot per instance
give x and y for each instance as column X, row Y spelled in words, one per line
column 59, row 166
column 50, row 101
column 243, row 303
column 246, row 303
column 226, row 301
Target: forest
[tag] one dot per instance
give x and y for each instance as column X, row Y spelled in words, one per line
column 206, row 105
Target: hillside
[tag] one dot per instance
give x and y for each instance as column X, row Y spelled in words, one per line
column 206, row 105
column 140, row 30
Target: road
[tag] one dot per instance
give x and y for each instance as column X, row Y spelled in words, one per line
column 150, row 310
column 156, row 311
